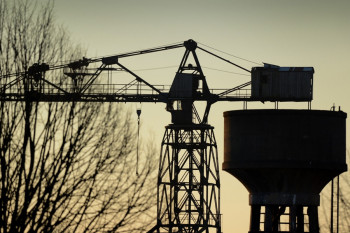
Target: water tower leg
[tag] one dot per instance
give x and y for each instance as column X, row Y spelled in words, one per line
column 313, row 219
column 268, row 226
column 255, row 218
column 273, row 221
column 292, row 219
column 300, row 219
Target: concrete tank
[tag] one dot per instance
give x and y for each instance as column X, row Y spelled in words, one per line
column 284, row 158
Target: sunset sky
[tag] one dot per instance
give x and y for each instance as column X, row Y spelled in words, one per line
column 286, row 33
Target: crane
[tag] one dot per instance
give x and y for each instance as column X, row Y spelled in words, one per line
column 188, row 190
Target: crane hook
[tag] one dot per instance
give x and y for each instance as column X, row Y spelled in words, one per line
column 138, row 111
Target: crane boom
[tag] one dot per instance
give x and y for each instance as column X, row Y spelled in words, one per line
column 35, row 85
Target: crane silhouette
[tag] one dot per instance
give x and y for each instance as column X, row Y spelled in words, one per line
column 188, row 193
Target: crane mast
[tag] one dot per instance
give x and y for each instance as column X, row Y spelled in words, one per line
column 188, row 182
column 188, row 190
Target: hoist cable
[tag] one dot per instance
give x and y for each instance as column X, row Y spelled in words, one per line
column 136, row 52
column 155, row 68
column 138, row 111
column 221, row 58
column 225, row 71
column 230, row 54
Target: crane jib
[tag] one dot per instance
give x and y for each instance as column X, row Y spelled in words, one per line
column 85, row 84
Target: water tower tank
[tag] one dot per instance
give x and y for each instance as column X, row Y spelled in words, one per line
column 284, row 158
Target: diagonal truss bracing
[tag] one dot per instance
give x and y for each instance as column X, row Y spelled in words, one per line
column 188, row 182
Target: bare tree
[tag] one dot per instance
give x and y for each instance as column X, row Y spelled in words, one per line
column 64, row 167
column 344, row 204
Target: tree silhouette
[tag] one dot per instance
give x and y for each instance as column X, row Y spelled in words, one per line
column 344, row 204
column 64, row 167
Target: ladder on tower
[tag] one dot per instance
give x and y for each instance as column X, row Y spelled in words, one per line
column 335, row 193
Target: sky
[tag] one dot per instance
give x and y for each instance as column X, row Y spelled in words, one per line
column 287, row 33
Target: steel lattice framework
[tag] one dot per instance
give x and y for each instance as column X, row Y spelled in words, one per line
column 188, row 181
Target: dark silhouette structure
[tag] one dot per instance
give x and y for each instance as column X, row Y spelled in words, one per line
column 188, row 178
column 284, row 158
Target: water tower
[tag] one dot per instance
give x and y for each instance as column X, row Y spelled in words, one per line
column 284, row 158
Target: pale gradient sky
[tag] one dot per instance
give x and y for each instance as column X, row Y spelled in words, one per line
column 282, row 32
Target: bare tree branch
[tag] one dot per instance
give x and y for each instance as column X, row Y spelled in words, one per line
column 64, row 167
column 344, row 205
